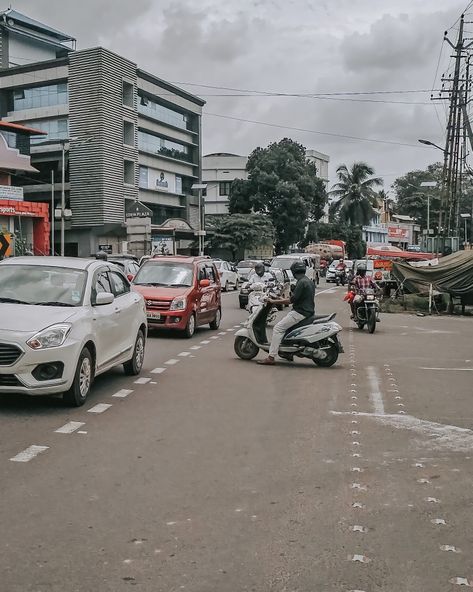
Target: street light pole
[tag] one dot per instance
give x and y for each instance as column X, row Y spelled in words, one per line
column 199, row 187
column 63, row 197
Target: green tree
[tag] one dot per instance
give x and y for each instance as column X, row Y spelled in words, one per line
column 352, row 235
column 238, row 231
column 355, row 194
column 283, row 185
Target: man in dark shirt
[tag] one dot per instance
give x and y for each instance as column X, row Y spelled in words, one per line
column 302, row 300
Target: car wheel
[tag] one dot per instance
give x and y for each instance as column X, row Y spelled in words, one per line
column 190, row 327
column 135, row 363
column 83, row 378
column 215, row 324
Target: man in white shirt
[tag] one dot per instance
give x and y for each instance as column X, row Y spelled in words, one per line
column 260, row 276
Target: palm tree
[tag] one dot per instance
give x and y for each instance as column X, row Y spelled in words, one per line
column 356, row 193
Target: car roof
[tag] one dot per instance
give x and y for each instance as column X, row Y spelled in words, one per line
column 179, row 258
column 44, row 261
column 292, row 256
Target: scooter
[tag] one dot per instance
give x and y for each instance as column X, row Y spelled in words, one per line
column 259, row 292
column 315, row 338
column 340, row 277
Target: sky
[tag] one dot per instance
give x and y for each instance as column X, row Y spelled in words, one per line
column 295, row 47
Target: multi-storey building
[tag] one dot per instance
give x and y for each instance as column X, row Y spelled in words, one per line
column 123, row 134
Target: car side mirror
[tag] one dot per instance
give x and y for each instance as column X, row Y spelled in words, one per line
column 130, row 277
column 204, row 283
column 104, row 298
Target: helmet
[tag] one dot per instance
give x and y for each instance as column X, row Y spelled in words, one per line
column 298, row 268
column 259, row 268
column 101, row 255
column 361, row 269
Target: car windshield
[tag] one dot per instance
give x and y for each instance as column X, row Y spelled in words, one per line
column 42, row 285
column 283, row 263
column 160, row 273
column 246, row 264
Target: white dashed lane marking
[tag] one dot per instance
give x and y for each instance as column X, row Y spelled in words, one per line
column 99, row 408
column 121, row 394
column 142, row 380
column 184, row 354
column 205, row 342
column 29, row 453
column 70, row 427
column 172, row 362
column 158, row 370
column 196, row 347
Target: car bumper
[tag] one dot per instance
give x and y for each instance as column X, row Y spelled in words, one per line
column 19, row 378
column 176, row 320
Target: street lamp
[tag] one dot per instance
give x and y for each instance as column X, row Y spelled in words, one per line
column 465, row 218
column 429, row 143
column 200, row 232
column 428, row 184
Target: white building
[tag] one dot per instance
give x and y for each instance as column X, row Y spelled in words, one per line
column 321, row 162
column 218, row 172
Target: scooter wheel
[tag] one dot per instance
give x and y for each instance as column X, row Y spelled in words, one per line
column 245, row 348
column 332, row 357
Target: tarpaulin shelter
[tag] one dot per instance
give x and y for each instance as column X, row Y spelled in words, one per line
column 452, row 275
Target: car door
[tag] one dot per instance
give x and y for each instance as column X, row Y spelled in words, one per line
column 106, row 321
column 128, row 305
column 203, row 298
column 214, row 290
column 232, row 276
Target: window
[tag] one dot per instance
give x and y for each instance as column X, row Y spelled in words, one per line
column 102, row 284
column 158, row 145
column 128, row 133
column 210, row 273
column 178, row 188
column 224, row 187
column 128, row 172
column 119, row 284
column 55, row 129
column 40, row 96
column 154, row 110
column 128, row 94
column 144, row 172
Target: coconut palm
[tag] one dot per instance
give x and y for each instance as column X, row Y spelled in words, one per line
column 355, row 194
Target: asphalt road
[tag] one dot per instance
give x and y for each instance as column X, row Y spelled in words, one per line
column 218, row 475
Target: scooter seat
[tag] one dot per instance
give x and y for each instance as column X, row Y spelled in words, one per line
column 313, row 320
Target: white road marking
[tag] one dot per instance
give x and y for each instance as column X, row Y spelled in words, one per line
column 432, row 500
column 358, row 528
column 196, row 347
column 158, row 370
column 438, row 521
column 121, row 394
column 81, row 432
column 230, row 330
column 142, row 380
column 171, row 362
column 359, row 486
column 450, row 548
column 205, row 342
column 221, row 333
column 375, row 394
column 359, row 558
column 357, row 505
column 215, row 337
column 184, row 354
column 99, row 408
column 327, row 291
column 29, row 453
column 423, row 481
column 462, row 582
column 70, row 427
column 449, row 369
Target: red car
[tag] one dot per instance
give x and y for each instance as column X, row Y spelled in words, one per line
column 181, row 293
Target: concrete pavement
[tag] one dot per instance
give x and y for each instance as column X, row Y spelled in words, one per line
column 215, row 474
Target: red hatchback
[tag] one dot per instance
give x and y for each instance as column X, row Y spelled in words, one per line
column 181, row 293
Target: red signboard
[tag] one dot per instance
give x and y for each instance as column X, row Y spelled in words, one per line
column 398, row 232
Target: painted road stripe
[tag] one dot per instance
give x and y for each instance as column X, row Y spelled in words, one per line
column 122, row 393
column 29, row 453
column 172, row 362
column 222, row 333
column 184, row 354
column 142, row 380
column 70, row 427
column 449, row 369
column 99, row 408
column 215, row 337
column 205, row 342
column 375, row 394
column 158, row 370
column 196, row 347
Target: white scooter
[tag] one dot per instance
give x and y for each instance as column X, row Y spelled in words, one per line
column 259, row 292
column 315, row 338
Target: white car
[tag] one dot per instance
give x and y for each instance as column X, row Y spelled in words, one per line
column 228, row 277
column 63, row 321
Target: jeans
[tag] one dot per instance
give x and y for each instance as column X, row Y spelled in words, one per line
column 291, row 319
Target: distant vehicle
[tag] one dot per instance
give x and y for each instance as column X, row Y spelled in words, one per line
column 64, row 322
column 312, row 262
column 228, row 275
column 414, row 249
column 181, row 293
column 245, row 268
column 127, row 265
column 331, row 275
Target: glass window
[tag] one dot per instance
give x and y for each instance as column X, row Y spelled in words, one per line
column 178, row 187
column 128, row 94
column 144, row 171
column 210, row 273
column 160, row 273
column 128, row 172
column 157, row 145
column 102, row 284
column 40, row 96
column 128, row 133
column 148, row 107
column 119, row 284
column 54, row 129
column 224, row 187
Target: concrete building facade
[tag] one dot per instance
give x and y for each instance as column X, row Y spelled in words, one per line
column 126, row 134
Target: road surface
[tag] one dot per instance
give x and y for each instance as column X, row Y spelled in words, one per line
column 212, row 474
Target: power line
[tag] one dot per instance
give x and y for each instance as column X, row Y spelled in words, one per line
column 298, row 129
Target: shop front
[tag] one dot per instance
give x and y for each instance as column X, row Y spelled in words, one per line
column 24, row 227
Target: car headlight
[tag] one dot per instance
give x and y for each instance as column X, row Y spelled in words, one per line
column 179, row 303
column 53, row 336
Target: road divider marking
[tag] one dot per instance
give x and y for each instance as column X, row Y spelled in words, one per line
column 70, row 427
column 184, row 354
column 215, row 337
column 158, row 370
column 375, row 393
column 122, row 393
column 172, row 362
column 221, row 333
column 450, row 548
column 230, row 330
column 143, row 380
column 462, row 582
column 99, row 408
column 196, row 347
column 439, row 521
column 449, row 369
column 359, row 558
column 29, row 453
column 358, row 528
column 205, row 342
column 82, row 432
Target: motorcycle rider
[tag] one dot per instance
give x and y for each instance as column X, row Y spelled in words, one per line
column 360, row 283
column 260, row 275
column 303, row 306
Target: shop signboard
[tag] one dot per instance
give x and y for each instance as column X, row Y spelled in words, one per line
column 9, row 192
column 398, row 233
column 163, row 245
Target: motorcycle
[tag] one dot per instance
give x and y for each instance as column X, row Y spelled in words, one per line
column 315, row 338
column 366, row 308
column 340, row 277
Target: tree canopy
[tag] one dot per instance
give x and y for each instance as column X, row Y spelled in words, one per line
column 235, row 232
column 283, row 185
column 352, row 235
column 355, row 194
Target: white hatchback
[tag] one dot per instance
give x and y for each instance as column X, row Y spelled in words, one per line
column 228, row 275
column 63, row 321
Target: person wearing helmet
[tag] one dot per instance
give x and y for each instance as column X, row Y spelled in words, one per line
column 361, row 282
column 101, row 256
column 303, row 306
column 260, row 275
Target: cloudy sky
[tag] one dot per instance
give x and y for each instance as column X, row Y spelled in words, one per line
column 291, row 47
